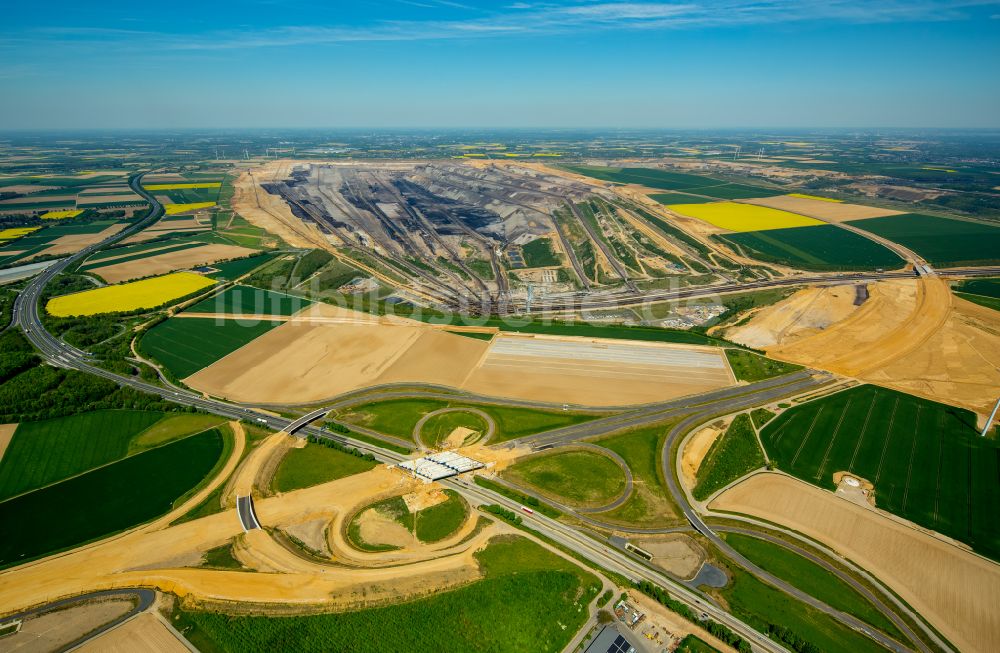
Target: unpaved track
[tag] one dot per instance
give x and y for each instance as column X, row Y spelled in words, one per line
column 954, row 589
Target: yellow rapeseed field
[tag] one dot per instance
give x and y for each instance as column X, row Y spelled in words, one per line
column 206, row 184
column 61, row 215
column 815, row 197
column 733, row 216
column 16, row 232
column 146, row 293
column 174, row 209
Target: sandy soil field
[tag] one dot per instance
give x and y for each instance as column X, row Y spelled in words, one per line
column 808, row 311
column 959, row 364
column 320, row 354
column 696, row 450
column 954, row 589
column 51, row 631
column 6, row 433
column 270, row 212
column 911, row 335
column 677, row 554
column 596, row 373
column 146, row 632
column 163, row 263
column 75, row 242
column 827, row 211
column 146, row 556
column 92, row 199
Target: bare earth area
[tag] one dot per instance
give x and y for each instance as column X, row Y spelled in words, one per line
column 72, row 243
column 315, row 357
column 808, row 311
column 677, row 554
column 163, row 263
column 53, row 630
column 6, row 433
column 146, row 632
column 954, row 589
column 269, row 211
column 827, row 211
column 696, row 450
column 911, row 335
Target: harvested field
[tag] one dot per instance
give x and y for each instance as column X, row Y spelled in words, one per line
column 320, row 353
column 596, row 372
column 74, row 242
column 148, row 293
column 677, row 554
column 956, row 590
column 696, row 450
column 52, row 631
column 6, row 434
column 821, row 208
column 302, row 361
column 145, row 632
column 170, row 261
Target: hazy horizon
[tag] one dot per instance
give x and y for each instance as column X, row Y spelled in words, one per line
column 569, row 64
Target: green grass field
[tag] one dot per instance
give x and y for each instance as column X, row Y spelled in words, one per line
column 244, row 300
column 577, row 478
column 679, row 198
column 51, row 450
column 398, row 417
column 763, row 606
column 926, row 459
column 172, row 427
column 812, row 579
column 985, row 292
column 942, row 241
column 538, row 253
column 235, row 269
column 437, row 429
column 748, row 366
column 437, row 522
column 105, row 500
column 823, row 247
column 649, row 504
column 733, row 454
column 186, row 345
column 315, row 464
column 528, row 600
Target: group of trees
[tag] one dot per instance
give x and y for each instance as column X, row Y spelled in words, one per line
column 718, row 630
column 504, row 514
column 343, row 448
column 32, row 391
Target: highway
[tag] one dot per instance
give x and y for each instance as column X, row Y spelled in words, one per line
column 57, row 352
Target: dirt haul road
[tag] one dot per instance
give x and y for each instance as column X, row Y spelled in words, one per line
column 911, row 335
column 954, row 589
column 159, row 555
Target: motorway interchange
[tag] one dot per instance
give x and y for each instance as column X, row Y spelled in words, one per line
column 691, row 411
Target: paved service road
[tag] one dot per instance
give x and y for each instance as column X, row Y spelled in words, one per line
column 245, row 511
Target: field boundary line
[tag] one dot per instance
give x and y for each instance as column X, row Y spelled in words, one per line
column 864, row 429
column 833, row 438
column 888, row 437
column 913, row 451
column 805, row 438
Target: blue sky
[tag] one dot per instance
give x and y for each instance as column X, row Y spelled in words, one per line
column 436, row 63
